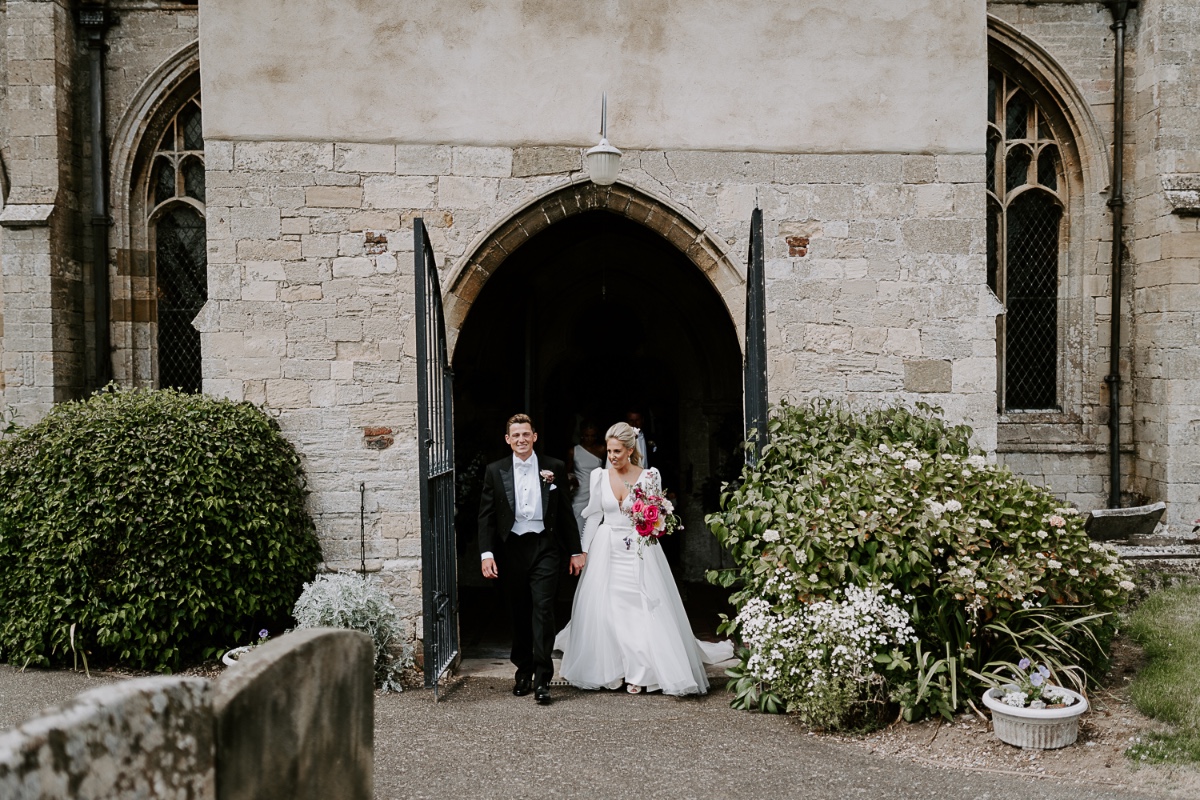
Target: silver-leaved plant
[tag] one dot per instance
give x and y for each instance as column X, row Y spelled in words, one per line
column 349, row 600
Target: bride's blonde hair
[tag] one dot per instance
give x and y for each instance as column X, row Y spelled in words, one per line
column 624, row 433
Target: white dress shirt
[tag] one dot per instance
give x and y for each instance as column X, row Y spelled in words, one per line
column 527, row 494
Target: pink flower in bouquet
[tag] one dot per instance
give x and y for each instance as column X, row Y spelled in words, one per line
column 651, row 513
column 644, row 528
column 638, row 506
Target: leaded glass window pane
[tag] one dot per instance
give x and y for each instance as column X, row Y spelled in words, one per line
column 1031, row 281
column 164, row 180
column 180, row 250
column 1017, row 167
column 993, row 148
column 193, row 129
column 1017, row 116
column 993, row 88
column 167, row 143
column 182, row 264
column 1024, row 218
column 193, row 178
column 1048, row 167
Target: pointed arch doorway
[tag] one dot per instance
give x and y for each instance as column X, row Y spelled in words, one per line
column 587, row 318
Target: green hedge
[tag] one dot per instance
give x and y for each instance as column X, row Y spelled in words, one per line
column 165, row 527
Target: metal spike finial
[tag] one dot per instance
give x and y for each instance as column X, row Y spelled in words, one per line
column 604, row 115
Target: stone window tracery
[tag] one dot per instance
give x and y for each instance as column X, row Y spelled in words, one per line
column 175, row 199
column 1025, row 213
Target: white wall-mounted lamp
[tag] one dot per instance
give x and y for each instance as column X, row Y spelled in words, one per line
column 603, row 160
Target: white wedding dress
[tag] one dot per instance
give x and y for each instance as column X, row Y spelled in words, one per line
column 628, row 624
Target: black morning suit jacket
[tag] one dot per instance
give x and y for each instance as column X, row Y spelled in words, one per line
column 497, row 506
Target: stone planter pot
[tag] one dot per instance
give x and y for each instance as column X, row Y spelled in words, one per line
column 1035, row 728
column 231, row 656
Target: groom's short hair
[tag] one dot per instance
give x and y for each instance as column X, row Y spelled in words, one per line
column 519, row 419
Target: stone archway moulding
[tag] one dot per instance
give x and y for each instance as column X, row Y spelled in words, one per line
column 676, row 225
column 154, row 91
column 1063, row 94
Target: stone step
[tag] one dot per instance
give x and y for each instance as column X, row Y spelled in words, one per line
column 1136, row 552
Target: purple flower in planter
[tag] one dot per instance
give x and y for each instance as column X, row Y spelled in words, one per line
column 1042, row 669
column 1024, row 663
column 1036, row 679
column 263, row 633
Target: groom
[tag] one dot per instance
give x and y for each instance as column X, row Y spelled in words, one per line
column 526, row 528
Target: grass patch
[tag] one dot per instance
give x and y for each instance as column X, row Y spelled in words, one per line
column 1167, row 626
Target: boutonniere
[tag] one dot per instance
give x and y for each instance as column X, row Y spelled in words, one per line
column 547, row 476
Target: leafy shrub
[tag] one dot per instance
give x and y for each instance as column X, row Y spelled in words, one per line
column 348, row 600
column 162, row 525
column 992, row 568
column 8, row 421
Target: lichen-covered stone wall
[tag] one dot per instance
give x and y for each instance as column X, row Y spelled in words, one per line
column 145, row 738
column 293, row 719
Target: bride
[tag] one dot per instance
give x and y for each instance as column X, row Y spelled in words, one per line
column 627, row 622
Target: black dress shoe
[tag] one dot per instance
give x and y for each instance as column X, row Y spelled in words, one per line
column 542, row 695
column 522, row 687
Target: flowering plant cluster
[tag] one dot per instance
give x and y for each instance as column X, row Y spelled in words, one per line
column 996, row 568
column 1032, row 688
column 652, row 513
column 819, row 658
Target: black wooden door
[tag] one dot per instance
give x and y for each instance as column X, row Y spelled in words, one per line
column 756, row 341
column 435, row 429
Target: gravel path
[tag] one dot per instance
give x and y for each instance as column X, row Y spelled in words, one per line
column 480, row 741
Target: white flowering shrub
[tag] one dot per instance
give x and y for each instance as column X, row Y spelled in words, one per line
column 819, row 659
column 992, row 568
column 349, row 600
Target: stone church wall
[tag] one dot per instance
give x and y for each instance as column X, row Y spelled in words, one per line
column 47, row 348
column 1162, row 277
column 311, row 304
column 4, row 156
column 1164, row 192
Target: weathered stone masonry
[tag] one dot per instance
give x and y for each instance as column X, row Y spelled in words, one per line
column 310, row 311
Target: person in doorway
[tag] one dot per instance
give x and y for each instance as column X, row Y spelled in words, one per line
column 526, row 527
column 628, row 625
column 581, row 460
column 634, row 420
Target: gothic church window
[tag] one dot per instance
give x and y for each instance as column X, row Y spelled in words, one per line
column 1024, row 220
column 175, row 199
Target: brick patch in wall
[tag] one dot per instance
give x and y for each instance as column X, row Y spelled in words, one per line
column 797, row 246
column 378, row 437
column 376, row 243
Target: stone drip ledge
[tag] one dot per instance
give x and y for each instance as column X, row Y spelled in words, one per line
column 294, row 720
column 1183, row 193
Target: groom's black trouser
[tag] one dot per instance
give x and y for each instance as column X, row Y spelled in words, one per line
column 529, row 567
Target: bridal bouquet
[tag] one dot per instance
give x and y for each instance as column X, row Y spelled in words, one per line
column 653, row 514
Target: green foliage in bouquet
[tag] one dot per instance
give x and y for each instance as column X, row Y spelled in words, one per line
column 159, row 526
column 948, row 566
